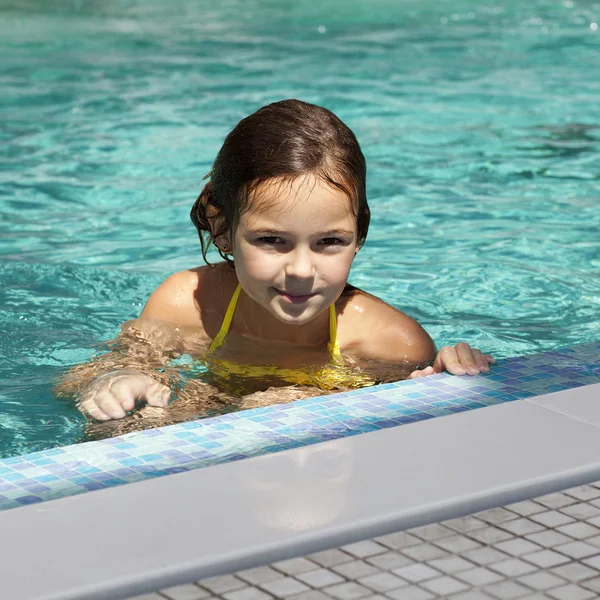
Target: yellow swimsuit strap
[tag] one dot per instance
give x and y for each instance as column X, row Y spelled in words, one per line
column 220, row 337
column 333, row 346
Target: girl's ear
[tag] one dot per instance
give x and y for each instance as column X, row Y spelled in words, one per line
column 218, row 229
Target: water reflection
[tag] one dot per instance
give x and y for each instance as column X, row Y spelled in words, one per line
column 300, row 490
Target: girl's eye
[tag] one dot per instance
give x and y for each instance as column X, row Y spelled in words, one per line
column 270, row 240
column 332, row 241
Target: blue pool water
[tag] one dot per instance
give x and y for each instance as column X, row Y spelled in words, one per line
column 480, row 124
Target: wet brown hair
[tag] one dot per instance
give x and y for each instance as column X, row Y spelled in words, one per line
column 280, row 141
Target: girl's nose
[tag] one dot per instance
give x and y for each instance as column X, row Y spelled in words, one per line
column 300, row 264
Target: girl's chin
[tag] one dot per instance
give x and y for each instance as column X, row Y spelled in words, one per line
column 294, row 314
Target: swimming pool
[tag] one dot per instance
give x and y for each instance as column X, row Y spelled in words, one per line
column 479, row 124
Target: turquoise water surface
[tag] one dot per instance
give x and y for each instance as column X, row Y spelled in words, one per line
column 480, row 124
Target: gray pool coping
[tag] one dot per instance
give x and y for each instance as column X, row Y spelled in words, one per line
column 118, row 542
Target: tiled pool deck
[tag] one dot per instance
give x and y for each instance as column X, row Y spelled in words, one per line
column 60, row 472
column 545, row 548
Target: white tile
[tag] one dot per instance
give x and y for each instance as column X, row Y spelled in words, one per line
column 465, row 524
column 411, row 592
column 490, row 535
column 571, row 592
column 577, row 550
column 593, row 562
column 364, row 548
column 398, row 540
column 507, row 590
column 347, row 591
column 513, row 567
column 541, row 580
column 382, row 582
column 485, row 555
column 548, row 538
column 526, row 508
column 456, row 544
column 259, row 575
column 592, row 584
column 579, row 530
column 581, row 510
column 585, row 493
column 293, row 566
column 479, row 576
column 451, row 564
column 595, row 541
column 546, row 558
column 319, row 578
column 355, row 569
column 311, row 595
column 283, row 588
column 247, row 593
column 594, row 520
column 330, row 558
column 555, row 500
column 416, row 573
column 432, row 532
column 471, row 595
column 552, row 518
column 573, row 571
column 496, row 515
column 522, row 526
column 222, row 583
column 389, row 560
column 187, row 591
column 517, row 547
column 444, row 586
column 424, row 552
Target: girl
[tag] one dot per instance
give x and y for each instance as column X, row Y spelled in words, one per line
column 286, row 208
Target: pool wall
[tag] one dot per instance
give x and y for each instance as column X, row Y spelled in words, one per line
column 60, row 472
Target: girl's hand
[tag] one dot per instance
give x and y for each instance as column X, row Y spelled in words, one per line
column 113, row 395
column 458, row 360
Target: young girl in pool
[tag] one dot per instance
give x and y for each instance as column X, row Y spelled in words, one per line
column 286, row 208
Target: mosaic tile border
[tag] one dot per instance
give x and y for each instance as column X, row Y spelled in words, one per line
column 76, row 469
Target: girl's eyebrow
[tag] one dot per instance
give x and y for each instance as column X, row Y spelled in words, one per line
column 275, row 232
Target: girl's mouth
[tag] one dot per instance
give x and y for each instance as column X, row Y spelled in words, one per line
column 294, row 298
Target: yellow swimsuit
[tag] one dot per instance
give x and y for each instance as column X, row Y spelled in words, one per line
column 334, row 376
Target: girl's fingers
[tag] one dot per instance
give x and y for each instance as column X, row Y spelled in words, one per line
column 158, row 395
column 108, row 403
column 466, row 358
column 480, row 361
column 88, row 407
column 421, row 373
column 120, row 396
column 448, row 360
column 462, row 359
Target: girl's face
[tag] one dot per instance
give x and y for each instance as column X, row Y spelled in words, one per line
column 294, row 247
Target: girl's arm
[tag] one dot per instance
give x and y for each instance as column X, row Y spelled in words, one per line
column 389, row 336
column 136, row 367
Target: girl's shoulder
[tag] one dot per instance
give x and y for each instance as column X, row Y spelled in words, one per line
column 369, row 328
column 189, row 297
